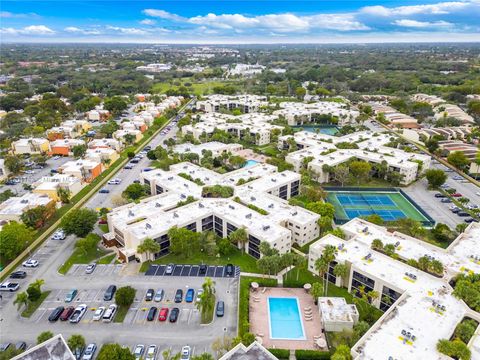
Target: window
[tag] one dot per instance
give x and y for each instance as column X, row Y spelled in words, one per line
column 230, row 228
column 359, row 280
column 389, row 296
column 159, row 189
column 207, row 223
column 218, row 226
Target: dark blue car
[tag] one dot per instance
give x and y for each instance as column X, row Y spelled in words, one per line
column 189, row 295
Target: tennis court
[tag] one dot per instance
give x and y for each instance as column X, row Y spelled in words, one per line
column 389, row 205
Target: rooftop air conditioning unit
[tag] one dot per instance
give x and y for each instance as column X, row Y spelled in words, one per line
column 252, row 198
column 248, row 216
column 158, row 204
column 231, row 207
column 200, row 205
column 175, row 215
column 148, row 226
column 266, row 227
column 131, row 213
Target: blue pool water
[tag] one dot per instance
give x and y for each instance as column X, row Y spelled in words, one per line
column 327, row 130
column 249, row 163
column 285, row 320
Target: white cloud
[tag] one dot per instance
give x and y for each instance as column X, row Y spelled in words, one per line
column 8, row 14
column 148, row 22
column 128, row 31
column 29, row 30
column 421, row 24
column 441, row 8
column 73, row 29
column 286, row 22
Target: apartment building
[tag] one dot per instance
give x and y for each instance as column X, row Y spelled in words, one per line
column 246, row 103
column 69, row 129
column 447, row 133
column 257, row 126
column 429, row 99
column 121, row 135
column 138, row 124
column 297, row 113
column 106, row 143
column 245, row 70
column 453, row 111
column 64, row 146
column 394, row 117
column 259, row 205
column 321, row 150
column 419, row 308
column 84, row 169
column 97, row 115
column 106, row 156
column 215, row 147
column 31, row 146
column 49, row 185
column 13, row 208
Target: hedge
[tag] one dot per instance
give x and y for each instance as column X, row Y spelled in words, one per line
column 312, row 355
column 281, row 354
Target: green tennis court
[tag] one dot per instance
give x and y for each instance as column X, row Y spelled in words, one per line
column 389, row 205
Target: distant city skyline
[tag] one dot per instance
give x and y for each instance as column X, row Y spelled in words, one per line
column 240, row 22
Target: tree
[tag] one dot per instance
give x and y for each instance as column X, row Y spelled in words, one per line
column 461, row 227
column 435, row 177
column 300, row 92
column 377, row 244
column 44, row 336
column 455, row 348
column 134, row 191
column 374, row 219
column 13, row 163
column 115, row 105
column 266, row 249
column 88, row 243
column 239, row 237
column 34, row 290
column 324, row 224
column 316, row 291
column 341, row 270
column 115, row 351
column 342, row 352
column 35, row 217
column 183, row 242
column 109, row 128
column 322, row 208
column 206, row 303
column 125, row 296
column 204, row 356
column 7, row 194
column 75, row 342
column 360, row 170
column 79, row 221
column 79, row 151
column 168, row 355
column 64, row 194
column 341, row 174
column 14, row 237
column 21, row 299
column 458, row 159
column 148, row 246
column 465, row 330
column 432, row 145
column 129, row 138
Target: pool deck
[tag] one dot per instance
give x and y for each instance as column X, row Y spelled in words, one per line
column 250, row 155
column 259, row 319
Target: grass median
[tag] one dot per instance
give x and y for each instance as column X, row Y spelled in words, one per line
column 34, row 305
column 81, row 256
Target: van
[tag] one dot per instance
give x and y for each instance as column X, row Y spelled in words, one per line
column 108, row 296
column 110, row 313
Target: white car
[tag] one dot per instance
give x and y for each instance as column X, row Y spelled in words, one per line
column 78, row 313
column 59, row 235
column 151, row 352
column 186, row 351
column 97, row 315
column 138, row 351
column 477, row 193
column 114, row 181
column 29, row 172
column 30, row 263
column 56, row 157
column 89, row 351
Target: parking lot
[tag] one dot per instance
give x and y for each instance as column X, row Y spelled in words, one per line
column 191, row 271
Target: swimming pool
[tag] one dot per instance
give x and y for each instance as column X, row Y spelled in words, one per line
column 327, row 130
column 284, row 319
column 249, row 163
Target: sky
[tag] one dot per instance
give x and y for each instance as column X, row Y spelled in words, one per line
column 240, row 21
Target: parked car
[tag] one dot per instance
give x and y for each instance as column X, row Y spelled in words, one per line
column 457, row 195
column 98, row 314
column 110, row 313
column 89, row 351
column 230, row 270
column 104, row 191
column 186, row 352
column 440, row 195
column 116, row 181
column 21, row 345
column 203, row 269
column 18, row 274
column 56, row 157
column 151, row 352
column 71, row 295
column 138, row 351
column 30, row 263
column 67, row 313
column 59, row 235
column 109, row 293
column 446, row 200
column 199, row 295
column 169, row 269
column 152, row 313
column 149, row 295
column 90, row 268
column 163, row 314
column 159, row 295
column 463, row 214
column 174, row 315
column 55, row 314
column 9, row 286
column 147, row 169
column 128, row 167
column 220, row 311
column 455, row 210
column 189, row 296
column 179, row 296
column 78, row 313
column 470, row 220
column 458, row 177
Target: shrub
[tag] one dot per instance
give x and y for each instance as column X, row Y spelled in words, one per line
column 312, row 355
column 282, row 354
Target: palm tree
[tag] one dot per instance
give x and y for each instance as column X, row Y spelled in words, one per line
column 239, row 237
column 206, row 303
column 38, row 284
column 21, row 299
column 322, row 263
column 148, row 246
column 341, row 270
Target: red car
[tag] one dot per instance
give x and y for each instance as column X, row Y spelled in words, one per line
column 457, row 195
column 67, row 313
column 163, row 314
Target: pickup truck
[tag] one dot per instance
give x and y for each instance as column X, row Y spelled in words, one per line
column 9, row 286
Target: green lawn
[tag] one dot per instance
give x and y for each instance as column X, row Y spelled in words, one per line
column 121, row 313
column 80, row 257
column 246, row 262
column 34, row 305
column 103, row 227
column 198, row 88
column 107, row 259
